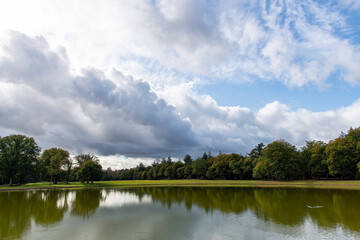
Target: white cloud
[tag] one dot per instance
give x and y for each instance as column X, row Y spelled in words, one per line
column 86, row 112
column 292, row 42
column 296, row 43
column 121, row 162
column 184, row 41
column 74, row 96
column 353, row 4
column 118, row 115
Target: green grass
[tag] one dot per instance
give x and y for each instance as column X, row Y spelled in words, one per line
column 333, row 184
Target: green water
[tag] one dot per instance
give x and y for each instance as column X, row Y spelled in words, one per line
column 180, row 213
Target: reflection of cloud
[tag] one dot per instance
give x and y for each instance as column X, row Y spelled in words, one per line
column 122, row 199
column 163, row 215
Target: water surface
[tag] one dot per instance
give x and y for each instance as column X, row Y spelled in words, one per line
column 180, row 213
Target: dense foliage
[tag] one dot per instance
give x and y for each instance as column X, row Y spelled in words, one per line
column 279, row 160
column 18, row 159
column 20, row 162
column 89, row 168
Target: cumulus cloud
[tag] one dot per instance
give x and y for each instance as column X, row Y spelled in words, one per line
column 237, row 129
column 292, row 42
column 87, row 112
column 117, row 115
column 296, row 43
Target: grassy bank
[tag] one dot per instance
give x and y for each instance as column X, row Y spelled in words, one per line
column 331, row 184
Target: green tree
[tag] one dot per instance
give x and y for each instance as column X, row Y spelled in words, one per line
column 238, row 166
column 256, row 151
column 199, row 168
column 18, row 158
column 169, row 161
column 68, row 167
column 188, row 172
column 205, row 156
column 313, row 160
column 344, row 154
column 187, row 159
column 305, row 158
column 220, row 167
column 90, row 171
column 281, row 160
column 151, row 174
column 261, row 169
column 82, row 158
column 144, row 175
column 161, row 170
column 170, row 172
column 180, row 172
column 56, row 161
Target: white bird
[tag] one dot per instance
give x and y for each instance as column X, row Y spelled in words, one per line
column 314, row 206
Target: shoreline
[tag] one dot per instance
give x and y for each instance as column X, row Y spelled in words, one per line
column 308, row 184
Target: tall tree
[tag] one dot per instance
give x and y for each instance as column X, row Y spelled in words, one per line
column 313, row 160
column 170, row 172
column 256, row 151
column 199, row 168
column 82, row 158
column 281, row 160
column 238, row 166
column 205, row 156
column 220, row 167
column 344, row 154
column 18, row 157
column 56, row 161
column 187, row 159
column 188, row 170
column 90, row 171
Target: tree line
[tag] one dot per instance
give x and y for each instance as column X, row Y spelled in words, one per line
column 21, row 162
column 279, row 160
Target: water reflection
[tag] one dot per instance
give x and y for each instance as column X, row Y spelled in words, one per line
column 21, row 211
column 86, row 202
column 286, row 206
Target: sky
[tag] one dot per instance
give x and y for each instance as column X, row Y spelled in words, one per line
column 134, row 81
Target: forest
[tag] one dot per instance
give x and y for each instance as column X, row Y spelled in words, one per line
column 22, row 161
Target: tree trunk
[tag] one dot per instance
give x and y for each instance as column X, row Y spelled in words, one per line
column 11, row 181
column 51, row 177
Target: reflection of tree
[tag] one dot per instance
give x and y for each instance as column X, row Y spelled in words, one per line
column 347, row 209
column 284, row 206
column 44, row 207
column 15, row 215
column 281, row 205
column 86, row 202
column 50, row 206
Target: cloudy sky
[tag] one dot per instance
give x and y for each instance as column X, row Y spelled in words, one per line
column 137, row 80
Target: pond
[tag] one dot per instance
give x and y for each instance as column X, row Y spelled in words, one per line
column 180, row 213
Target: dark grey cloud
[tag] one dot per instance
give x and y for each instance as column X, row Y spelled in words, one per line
column 88, row 112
